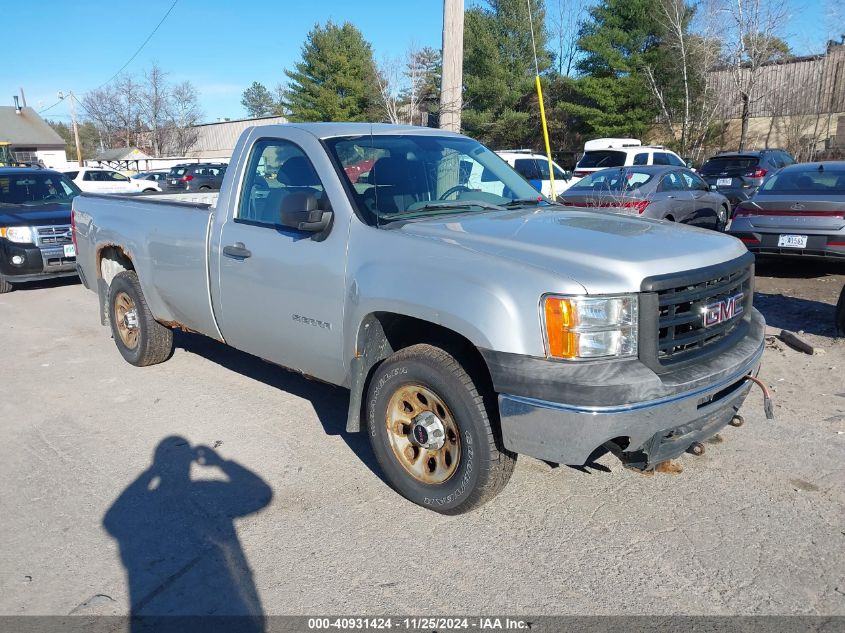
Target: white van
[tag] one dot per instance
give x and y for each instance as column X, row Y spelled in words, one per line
column 535, row 169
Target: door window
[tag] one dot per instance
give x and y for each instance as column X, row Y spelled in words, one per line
column 674, row 160
column 527, row 167
column 692, row 181
column 276, row 169
column 671, row 182
column 661, row 158
column 641, row 159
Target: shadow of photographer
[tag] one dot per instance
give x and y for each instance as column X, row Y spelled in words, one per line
column 178, row 540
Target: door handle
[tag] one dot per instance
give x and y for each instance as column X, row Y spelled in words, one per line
column 237, row 251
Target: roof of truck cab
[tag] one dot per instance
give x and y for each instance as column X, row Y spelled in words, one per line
column 331, row 130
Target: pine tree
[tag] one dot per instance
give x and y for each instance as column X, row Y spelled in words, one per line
column 336, row 79
column 499, row 71
column 257, row 100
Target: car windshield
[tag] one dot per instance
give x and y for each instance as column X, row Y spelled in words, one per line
column 601, row 159
column 729, row 163
column 809, row 181
column 412, row 176
column 612, row 180
column 30, row 189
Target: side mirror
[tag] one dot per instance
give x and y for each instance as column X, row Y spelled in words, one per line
column 712, row 187
column 299, row 210
column 689, row 164
column 567, row 175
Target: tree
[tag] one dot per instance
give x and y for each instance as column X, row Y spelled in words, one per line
column 336, row 79
column 184, row 114
column 154, row 105
column 499, row 70
column 751, row 42
column 409, row 85
column 612, row 96
column 257, row 100
column 89, row 137
column 567, row 18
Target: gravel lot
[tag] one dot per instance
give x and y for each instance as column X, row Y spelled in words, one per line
column 755, row 526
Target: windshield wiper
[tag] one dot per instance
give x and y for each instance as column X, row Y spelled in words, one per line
column 443, row 207
column 521, row 202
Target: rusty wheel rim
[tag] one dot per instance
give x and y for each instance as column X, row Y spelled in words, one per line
column 126, row 319
column 412, row 406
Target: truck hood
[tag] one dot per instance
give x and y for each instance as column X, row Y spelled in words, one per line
column 604, row 253
column 35, row 215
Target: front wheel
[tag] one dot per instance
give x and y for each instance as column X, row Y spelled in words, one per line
column 431, row 433
column 140, row 339
column 5, row 286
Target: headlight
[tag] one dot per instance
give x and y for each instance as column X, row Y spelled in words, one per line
column 20, row 234
column 590, row 327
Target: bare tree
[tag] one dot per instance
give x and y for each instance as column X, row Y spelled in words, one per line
column 154, row 106
column 388, row 77
column 752, row 41
column 685, row 98
column 183, row 114
column 567, row 17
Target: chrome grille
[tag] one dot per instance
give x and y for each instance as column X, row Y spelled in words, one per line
column 682, row 333
column 49, row 235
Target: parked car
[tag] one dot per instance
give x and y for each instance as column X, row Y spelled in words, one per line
column 100, row 180
column 664, row 193
column 150, row 181
column 798, row 211
column 737, row 175
column 469, row 326
column 35, row 235
column 535, row 169
column 196, row 177
column 602, row 153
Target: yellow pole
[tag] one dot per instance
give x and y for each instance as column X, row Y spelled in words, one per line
column 546, row 138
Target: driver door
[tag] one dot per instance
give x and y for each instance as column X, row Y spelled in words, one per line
column 281, row 292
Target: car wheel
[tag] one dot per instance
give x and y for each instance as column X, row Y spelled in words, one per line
column 149, row 190
column 204, row 188
column 840, row 314
column 431, row 432
column 140, row 339
column 723, row 218
column 5, row 287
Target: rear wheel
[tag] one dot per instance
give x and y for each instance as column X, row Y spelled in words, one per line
column 431, row 433
column 5, row 286
column 140, row 339
column 840, row 313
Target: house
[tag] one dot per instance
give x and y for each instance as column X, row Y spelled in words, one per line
column 30, row 138
column 216, row 141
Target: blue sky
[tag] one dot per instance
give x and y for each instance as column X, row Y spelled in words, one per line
column 221, row 45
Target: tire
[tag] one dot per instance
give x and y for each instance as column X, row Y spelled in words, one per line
column 477, row 469
column 150, row 190
column 839, row 318
column 722, row 224
column 5, row 287
column 147, row 342
column 205, row 188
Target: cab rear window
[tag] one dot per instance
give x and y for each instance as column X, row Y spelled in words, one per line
column 601, row 159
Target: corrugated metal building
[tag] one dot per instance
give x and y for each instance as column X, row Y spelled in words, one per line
column 217, row 140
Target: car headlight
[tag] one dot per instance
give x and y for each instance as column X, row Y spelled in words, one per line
column 590, row 327
column 19, row 234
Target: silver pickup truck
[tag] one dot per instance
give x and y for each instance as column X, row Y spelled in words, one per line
column 470, row 318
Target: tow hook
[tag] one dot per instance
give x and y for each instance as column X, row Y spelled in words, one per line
column 696, row 448
column 768, row 406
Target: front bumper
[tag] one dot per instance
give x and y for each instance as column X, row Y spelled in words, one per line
column 684, row 408
column 38, row 263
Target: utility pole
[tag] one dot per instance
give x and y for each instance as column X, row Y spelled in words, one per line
column 72, row 105
column 451, row 80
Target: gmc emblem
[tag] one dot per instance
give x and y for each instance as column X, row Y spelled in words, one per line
column 723, row 310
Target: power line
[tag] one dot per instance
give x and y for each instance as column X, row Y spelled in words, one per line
column 129, row 61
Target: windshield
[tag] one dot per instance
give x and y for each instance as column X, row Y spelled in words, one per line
column 810, row 181
column 414, row 176
column 601, row 159
column 30, row 189
column 612, row 180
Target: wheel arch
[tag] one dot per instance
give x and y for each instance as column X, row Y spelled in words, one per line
column 111, row 259
column 380, row 334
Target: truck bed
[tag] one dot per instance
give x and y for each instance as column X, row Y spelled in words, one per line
column 165, row 236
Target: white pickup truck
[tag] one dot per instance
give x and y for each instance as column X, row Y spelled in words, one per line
column 469, row 323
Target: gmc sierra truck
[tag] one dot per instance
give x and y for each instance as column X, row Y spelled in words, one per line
column 471, row 318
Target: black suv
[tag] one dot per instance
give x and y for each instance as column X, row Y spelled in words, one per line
column 737, row 175
column 36, row 238
column 196, row 177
